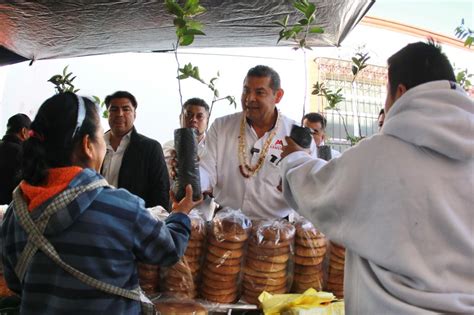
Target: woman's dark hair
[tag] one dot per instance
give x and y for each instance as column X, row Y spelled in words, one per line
column 52, row 142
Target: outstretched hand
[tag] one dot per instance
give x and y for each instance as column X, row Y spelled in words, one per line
column 290, row 147
column 186, row 204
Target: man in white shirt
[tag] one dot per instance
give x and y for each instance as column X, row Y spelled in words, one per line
column 133, row 161
column 242, row 152
column 408, row 226
column 195, row 115
column 317, row 124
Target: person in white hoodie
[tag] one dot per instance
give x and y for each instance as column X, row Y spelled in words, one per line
column 408, row 227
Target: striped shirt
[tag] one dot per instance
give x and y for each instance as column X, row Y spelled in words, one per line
column 103, row 233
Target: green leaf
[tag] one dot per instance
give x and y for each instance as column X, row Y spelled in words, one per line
column 310, row 10
column 355, row 70
column 76, row 90
column 190, row 4
column 193, row 31
column 96, row 99
column 300, row 6
column 303, row 22
column 316, row 30
column 64, row 70
column 186, row 40
column 179, row 22
column 469, row 41
column 196, row 11
column 174, row 8
column 182, row 76
column 55, row 79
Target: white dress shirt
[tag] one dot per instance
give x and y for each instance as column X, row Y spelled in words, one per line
column 257, row 196
column 113, row 159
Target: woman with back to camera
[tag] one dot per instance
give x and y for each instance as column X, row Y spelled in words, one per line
column 94, row 235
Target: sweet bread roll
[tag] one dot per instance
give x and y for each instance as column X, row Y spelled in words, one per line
column 279, row 259
column 193, row 251
column 300, row 278
column 223, row 270
column 306, row 229
column 198, row 228
column 230, row 225
column 217, row 284
column 269, row 244
column 227, row 253
column 179, row 308
column 255, row 287
column 207, row 273
column 336, row 266
column 208, row 289
column 308, row 261
column 301, row 287
column 216, row 260
column 255, row 249
column 307, row 270
column 263, row 266
column 276, row 231
column 338, row 250
column 220, row 298
column 336, row 279
column 310, row 242
column 255, row 273
column 195, row 243
column 251, row 299
column 335, row 272
column 336, row 259
column 265, row 281
column 225, row 244
column 310, row 252
column 256, row 293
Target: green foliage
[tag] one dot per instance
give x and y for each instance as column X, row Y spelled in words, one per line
column 299, row 31
column 188, row 71
column 334, row 98
column 359, row 62
column 463, row 79
column 465, row 33
column 63, row 82
column 186, row 27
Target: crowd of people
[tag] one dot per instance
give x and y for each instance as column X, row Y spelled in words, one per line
column 399, row 202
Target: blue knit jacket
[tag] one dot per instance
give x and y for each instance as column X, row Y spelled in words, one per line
column 103, row 233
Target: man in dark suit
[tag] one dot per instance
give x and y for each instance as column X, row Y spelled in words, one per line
column 133, row 161
column 10, row 155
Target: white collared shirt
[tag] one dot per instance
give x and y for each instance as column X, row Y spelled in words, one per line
column 257, row 196
column 113, row 159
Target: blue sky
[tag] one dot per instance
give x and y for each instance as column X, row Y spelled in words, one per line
column 441, row 16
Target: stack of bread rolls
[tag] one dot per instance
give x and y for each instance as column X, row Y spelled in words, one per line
column 182, row 278
column 310, row 250
column 268, row 256
column 228, row 233
column 149, row 278
column 335, row 281
column 181, row 307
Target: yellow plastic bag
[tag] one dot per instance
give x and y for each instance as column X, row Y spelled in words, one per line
column 310, row 302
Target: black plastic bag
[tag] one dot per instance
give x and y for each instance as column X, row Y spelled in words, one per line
column 187, row 170
column 324, row 152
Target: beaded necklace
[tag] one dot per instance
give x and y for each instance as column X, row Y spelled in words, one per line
column 245, row 169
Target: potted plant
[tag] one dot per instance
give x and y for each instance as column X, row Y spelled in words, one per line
column 298, row 33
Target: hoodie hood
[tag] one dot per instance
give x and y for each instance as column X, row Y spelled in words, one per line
column 66, row 216
column 438, row 115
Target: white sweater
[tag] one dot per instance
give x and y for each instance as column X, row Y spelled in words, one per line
column 402, row 202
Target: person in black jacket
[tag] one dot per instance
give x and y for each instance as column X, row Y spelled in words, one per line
column 133, row 161
column 10, row 155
